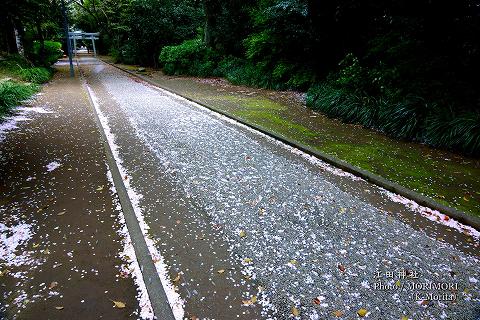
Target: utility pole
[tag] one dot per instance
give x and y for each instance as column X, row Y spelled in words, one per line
column 67, row 38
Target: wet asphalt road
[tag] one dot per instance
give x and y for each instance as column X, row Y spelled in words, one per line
column 61, row 247
column 245, row 220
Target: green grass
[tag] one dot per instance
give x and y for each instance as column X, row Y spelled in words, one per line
column 266, row 112
column 19, row 80
column 18, row 68
column 12, row 93
column 37, row 75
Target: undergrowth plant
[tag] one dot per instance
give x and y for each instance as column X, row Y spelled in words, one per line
column 12, row 93
column 36, row 74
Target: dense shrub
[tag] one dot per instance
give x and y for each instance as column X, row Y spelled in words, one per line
column 13, row 93
column 22, row 69
column 115, row 54
column 14, row 61
column 248, row 73
column 191, row 57
column 52, row 52
column 459, row 132
column 408, row 118
column 36, row 75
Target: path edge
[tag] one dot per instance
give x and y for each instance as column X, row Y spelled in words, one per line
column 158, row 298
column 388, row 185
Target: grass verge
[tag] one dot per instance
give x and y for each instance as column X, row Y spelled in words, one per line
column 19, row 80
column 12, row 93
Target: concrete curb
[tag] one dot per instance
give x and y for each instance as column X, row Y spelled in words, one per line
column 158, row 297
column 373, row 178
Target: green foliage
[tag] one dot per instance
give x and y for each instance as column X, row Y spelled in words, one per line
column 193, row 57
column 338, row 102
column 115, row 54
column 351, row 74
column 136, row 31
column 250, row 74
column 258, row 45
column 409, row 118
column 382, row 97
column 31, row 20
column 301, row 79
column 15, row 61
column 458, row 132
column 402, row 119
column 12, row 93
column 20, row 68
column 52, row 51
column 37, row 75
column 190, row 57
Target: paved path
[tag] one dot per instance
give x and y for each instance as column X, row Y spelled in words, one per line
column 238, row 215
column 62, row 242
column 238, row 225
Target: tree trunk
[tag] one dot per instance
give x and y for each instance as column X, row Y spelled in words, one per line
column 211, row 8
column 11, row 40
column 42, row 42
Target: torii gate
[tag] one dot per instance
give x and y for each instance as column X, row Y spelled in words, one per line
column 80, row 35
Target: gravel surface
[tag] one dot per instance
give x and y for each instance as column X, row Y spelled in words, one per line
column 314, row 250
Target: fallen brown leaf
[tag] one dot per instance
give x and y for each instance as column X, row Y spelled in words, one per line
column 119, row 304
column 338, row 313
column 177, row 278
column 249, row 302
column 424, row 302
column 295, row 312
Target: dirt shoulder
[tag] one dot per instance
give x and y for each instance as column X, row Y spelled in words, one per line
column 448, row 178
column 60, row 245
